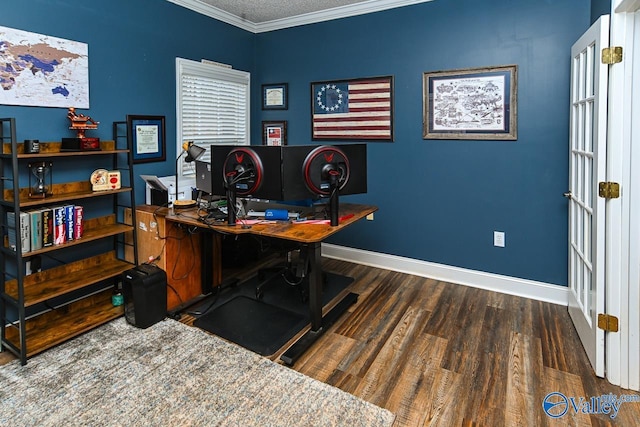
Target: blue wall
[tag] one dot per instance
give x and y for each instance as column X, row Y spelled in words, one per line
column 132, row 50
column 439, row 201
column 599, row 8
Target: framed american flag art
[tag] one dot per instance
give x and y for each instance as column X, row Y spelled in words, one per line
column 354, row 109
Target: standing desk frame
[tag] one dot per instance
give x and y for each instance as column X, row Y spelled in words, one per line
column 311, row 237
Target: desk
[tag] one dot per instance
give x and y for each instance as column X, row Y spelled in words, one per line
column 308, row 235
column 192, row 263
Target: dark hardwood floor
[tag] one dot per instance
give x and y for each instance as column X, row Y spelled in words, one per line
column 440, row 354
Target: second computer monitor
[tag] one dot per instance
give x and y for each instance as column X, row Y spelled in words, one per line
column 294, row 176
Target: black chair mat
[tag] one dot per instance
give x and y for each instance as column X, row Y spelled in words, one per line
column 255, row 325
column 262, row 326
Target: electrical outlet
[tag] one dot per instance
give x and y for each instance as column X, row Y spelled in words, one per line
column 498, row 239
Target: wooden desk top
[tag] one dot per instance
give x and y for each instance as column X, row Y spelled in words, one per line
column 303, row 233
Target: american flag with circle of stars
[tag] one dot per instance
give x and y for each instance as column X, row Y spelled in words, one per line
column 353, row 109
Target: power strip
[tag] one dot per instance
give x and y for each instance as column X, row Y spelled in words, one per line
column 290, row 215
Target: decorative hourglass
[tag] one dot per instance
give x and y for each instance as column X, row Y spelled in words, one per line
column 40, row 178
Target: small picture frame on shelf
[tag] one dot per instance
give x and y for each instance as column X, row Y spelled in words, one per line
column 274, row 96
column 274, row 133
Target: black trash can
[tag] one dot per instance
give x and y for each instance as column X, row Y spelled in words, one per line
column 145, row 295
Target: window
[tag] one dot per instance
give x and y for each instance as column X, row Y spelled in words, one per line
column 212, row 107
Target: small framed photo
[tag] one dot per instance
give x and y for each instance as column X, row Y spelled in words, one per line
column 274, row 96
column 472, row 103
column 274, row 133
column 147, row 138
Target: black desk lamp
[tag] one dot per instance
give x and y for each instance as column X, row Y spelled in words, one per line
column 193, row 153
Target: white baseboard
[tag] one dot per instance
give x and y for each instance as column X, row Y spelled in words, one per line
column 540, row 291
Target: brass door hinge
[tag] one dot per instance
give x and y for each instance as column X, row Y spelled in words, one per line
column 607, row 322
column 609, row 190
column 612, row 55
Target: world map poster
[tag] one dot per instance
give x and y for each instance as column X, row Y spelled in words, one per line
column 43, row 71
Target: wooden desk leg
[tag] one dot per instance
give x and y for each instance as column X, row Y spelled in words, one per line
column 319, row 324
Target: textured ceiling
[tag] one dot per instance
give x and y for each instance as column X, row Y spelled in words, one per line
column 268, row 15
column 258, row 11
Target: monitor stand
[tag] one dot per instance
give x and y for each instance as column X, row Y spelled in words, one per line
column 231, row 206
column 334, row 205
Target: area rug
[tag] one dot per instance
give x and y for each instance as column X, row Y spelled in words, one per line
column 169, row 374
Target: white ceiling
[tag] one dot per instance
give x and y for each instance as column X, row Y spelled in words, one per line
column 267, row 15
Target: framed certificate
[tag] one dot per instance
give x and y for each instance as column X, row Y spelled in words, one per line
column 147, row 138
column 274, row 96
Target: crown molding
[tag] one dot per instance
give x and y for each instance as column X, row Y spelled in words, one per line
column 362, row 8
column 334, row 13
column 216, row 13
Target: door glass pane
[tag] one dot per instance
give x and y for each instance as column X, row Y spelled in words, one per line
column 589, row 128
column 579, row 227
column 588, row 232
column 591, row 199
column 591, row 70
column 588, row 310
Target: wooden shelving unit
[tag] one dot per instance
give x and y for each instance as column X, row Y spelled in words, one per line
column 48, row 307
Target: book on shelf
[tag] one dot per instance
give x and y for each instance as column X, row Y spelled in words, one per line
column 24, row 232
column 59, row 221
column 69, row 222
column 35, row 218
column 47, row 227
column 79, row 222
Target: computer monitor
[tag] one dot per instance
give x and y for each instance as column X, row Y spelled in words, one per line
column 218, row 156
column 203, row 176
column 253, row 171
column 297, row 187
column 357, row 155
column 324, row 172
column 245, row 171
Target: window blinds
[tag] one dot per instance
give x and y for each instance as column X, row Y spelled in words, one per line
column 213, row 107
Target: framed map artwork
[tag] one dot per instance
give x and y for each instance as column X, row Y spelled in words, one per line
column 473, row 103
column 42, row 71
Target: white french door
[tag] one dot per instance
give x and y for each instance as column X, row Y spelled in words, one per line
column 587, row 166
